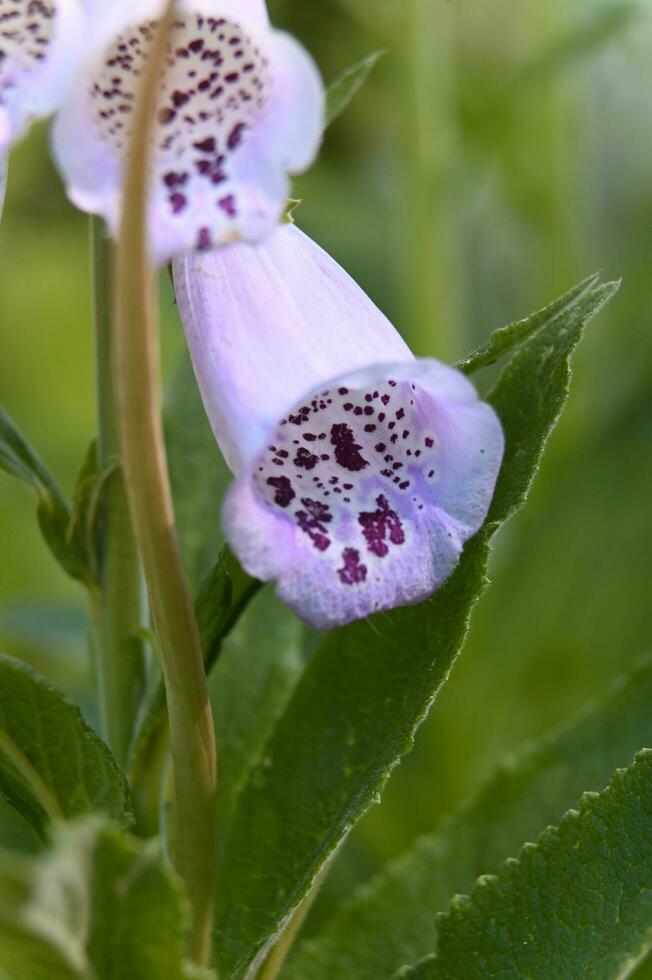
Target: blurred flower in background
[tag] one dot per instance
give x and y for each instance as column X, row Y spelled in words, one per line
column 498, row 155
column 240, row 106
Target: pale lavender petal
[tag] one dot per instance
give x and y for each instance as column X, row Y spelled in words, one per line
column 40, row 44
column 220, row 159
column 360, row 471
column 267, row 323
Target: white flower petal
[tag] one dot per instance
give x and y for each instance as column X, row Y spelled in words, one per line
column 221, row 156
column 40, row 43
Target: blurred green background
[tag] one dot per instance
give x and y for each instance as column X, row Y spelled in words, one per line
column 499, row 153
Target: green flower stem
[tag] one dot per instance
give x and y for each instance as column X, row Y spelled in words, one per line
column 426, row 139
column 192, row 738
column 119, row 606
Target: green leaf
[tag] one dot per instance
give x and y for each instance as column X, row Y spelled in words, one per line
column 347, row 85
column 19, row 460
column 391, row 920
column 84, row 531
column 52, row 765
column 579, row 303
column 367, row 689
column 251, row 685
column 100, row 905
column 222, row 598
column 578, row 903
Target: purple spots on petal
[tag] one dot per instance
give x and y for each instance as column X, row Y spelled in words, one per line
column 361, row 516
column 211, row 94
column 379, row 525
column 178, row 202
column 312, row 521
column 228, row 205
column 305, row 459
column 204, row 241
column 352, row 571
column 284, row 493
column 235, row 136
column 347, row 452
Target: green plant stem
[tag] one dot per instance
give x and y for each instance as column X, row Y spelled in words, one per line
column 279, row 952
column 119, row 606
column 426, row 139
column 192, row 738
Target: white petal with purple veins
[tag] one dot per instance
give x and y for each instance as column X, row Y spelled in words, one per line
column 360, row 471
column 241, row 106
column 40, row 43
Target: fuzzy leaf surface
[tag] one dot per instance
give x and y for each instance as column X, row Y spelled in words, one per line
column 578, row 903
column 98, row 905
column 52, row 765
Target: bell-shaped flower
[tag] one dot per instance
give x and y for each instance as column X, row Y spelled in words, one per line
column 39, row 46
column 241, row 106
column 360, row 471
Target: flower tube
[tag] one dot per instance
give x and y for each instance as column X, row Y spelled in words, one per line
column 360, row 471
column 39, row 46
column 241, row 106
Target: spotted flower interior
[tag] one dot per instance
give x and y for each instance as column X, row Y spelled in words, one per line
column 211, row 93
column 26, row 30
column 351, row 470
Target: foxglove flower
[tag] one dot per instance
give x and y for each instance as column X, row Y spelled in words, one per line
column 241, row 106
column 39, row 47
column 360, row 471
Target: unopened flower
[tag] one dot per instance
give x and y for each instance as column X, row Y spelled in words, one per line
column 360, row 470
column 39, row 47
column 241, row 106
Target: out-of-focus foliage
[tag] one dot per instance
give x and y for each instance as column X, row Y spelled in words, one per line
column 97, row 903
column 512, row 142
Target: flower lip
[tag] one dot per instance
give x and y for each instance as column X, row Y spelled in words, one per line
column 367, row 491
column 240, row 107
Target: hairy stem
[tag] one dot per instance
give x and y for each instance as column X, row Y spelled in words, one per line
column 192, row 740
column 120, row 656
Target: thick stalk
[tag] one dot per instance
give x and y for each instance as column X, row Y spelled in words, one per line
column 120, row 657
column 426, row 137
column 192, row 739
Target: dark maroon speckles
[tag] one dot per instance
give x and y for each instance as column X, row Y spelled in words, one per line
column 379, row 525
column 352, row 571
column 347, row 451
column 25, row 34
column 313, row 522
column 207, row 103
column 178, row 202
column 357, row 522
column 204, row 241
column 228, row 205
column 236, row 135
column 305, row 459
column 284, row 493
